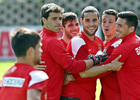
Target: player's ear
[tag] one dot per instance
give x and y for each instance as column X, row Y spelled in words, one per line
column 99, row 20
column 43, row 19
column 81, row 21
column 30, row 51
column 62, row 28
column 132, row 29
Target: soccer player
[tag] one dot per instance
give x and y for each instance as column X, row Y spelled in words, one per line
column 128, row 76
column 22, row 81
column 110, row 87
column 80, row 48
column 54, row 54
column 70, row 27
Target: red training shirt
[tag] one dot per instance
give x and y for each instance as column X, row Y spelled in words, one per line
column 110, row 86
column 19, row 79
column 64, row 43
column 129, row 75
column 57, row 59
column 80, row 48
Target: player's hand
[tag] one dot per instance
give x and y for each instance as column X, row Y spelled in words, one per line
column 68, row 78
column 99, row 57
column 103, row 56
column 116, row 65
column 42, row 66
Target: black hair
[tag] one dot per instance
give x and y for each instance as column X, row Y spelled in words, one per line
column 110, row 12
column 89, row 9
column 22, row 39
column 47, row 8
column 130, row 17
column 68, row 16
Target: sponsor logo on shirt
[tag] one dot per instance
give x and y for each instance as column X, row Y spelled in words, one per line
column 13, row 82
column 137, row 50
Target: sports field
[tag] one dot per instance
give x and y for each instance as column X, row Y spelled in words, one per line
column 6, row 65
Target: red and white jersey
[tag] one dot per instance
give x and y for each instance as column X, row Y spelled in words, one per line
column 129, row 75
column 110, row 86
column 19, row 79
column 80, row 48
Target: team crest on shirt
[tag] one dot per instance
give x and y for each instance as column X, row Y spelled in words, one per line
column 137, row 50
column 99, row 46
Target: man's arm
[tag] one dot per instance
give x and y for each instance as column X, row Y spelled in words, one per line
column 115, row 65
column 33, row 94
column 68, row 62
column 37, row 84
column 89, row 63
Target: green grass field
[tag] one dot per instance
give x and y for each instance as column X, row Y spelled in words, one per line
column 4, row 66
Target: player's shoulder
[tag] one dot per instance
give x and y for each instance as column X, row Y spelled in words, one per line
column 116, row 43
column 54, row 42
column 78, row 40
column 37, row 76
column 40, row 75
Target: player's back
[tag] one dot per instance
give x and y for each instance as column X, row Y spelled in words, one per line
column 15, row 82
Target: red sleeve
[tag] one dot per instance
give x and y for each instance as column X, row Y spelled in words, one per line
column 77, row 48
column 62, row 57
column 39, row 86
column 116, row 52
column 38, row 80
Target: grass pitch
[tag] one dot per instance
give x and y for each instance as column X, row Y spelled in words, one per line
column 4, row 66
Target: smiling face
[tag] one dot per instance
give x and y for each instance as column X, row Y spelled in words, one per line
column 53, row 22
column 108, row 25
column 71, row 28
column 122, row 29
column 90, row 23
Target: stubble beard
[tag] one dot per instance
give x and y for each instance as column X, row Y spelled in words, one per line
column 87, row 32
column 68, row 35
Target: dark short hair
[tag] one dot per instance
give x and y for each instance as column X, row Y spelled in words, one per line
column 89, row 9
column 50, row 7
column 68, row 16
column 110, row 12
column 22, row 39
column 130, row 17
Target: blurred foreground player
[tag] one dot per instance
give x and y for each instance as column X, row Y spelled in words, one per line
column 22, row 81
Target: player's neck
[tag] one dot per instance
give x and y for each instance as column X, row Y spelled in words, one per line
column 66, row 39
column 91, row 37
column 24, row 60
column 108, row 38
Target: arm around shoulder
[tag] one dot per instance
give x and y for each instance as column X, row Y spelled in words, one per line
column 115, row 65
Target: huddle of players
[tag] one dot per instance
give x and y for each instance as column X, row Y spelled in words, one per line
column 80, row 77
